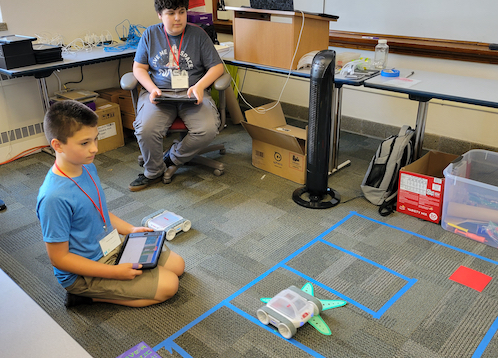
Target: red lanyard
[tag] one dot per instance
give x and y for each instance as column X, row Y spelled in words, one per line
column 179, row 50
column 100, row 210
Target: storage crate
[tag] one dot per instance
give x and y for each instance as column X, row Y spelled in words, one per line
column 470, row 205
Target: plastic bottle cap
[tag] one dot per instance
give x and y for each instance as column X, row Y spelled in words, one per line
column 382, row 41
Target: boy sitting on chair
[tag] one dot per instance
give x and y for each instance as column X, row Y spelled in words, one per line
column 77, row 227
column 175, row 59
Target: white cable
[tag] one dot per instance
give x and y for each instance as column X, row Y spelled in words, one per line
column 47, row 38
column 261, row 110
column 75, row 46
column 58, row 79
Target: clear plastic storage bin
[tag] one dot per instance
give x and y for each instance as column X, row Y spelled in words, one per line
column 470, row 203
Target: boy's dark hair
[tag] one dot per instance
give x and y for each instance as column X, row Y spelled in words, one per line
column 161, row 5
column 65, row 118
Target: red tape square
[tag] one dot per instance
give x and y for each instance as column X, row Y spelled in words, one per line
column 470, row 278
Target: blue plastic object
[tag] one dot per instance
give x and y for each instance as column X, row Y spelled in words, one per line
column 390, row 73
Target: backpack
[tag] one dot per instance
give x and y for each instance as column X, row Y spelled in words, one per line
column 380, row 184
column 210, row 30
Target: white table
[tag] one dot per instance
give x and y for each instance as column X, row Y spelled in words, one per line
column 70, row 60
column 455, row 88
column 28, row 331
column 339, row 81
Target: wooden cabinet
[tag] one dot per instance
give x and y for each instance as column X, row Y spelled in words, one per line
column 270, row 37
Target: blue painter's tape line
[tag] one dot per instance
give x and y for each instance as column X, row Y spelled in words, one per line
column 257, row 321
column 485, row 341
column 429, row 239
column 393, row 299
column 170, row 345
column 373, row 263
column 326, row 288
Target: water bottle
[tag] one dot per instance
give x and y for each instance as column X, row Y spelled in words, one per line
column 381, row 52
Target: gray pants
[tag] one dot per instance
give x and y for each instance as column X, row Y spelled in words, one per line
column 154, row 120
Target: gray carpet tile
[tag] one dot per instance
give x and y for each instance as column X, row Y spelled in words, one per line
column 250, row 240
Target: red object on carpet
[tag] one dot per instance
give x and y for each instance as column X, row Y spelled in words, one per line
column 471, row 278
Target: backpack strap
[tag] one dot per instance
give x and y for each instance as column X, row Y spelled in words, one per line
column 388, row 207
column 403, row 130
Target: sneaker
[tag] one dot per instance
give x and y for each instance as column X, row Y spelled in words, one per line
column 142, row 182
column 167, row 160
column 75, row 300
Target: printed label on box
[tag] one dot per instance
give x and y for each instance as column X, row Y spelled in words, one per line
column 419, row 196
column 277, row 159
column 296, row 161
column 412, row 183
column 107, row 130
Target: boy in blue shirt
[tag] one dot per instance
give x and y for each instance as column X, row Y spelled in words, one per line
column 77, row 227
column 176, row 59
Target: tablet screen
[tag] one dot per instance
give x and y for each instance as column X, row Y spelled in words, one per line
column 143, row 248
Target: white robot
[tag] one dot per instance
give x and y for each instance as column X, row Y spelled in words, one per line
column 167, row 221
column 292, row 308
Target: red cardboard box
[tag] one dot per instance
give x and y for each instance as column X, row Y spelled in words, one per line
column 421, row 186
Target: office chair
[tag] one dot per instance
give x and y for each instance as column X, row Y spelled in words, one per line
column 129, row 82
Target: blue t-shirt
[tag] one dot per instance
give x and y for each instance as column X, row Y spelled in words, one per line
column 67, row 214
column 197, row 54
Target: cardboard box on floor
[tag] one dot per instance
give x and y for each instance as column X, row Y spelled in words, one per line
column 421, row 186
column 277, row 147
column 123, row 98
column 109, row 125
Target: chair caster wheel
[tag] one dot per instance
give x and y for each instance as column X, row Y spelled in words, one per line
column 218, row 172
column 223, row 151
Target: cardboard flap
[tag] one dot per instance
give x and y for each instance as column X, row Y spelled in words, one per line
column 270, row 119
column 273, row 137
column 431, row 164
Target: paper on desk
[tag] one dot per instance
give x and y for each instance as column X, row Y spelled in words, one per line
column 222, row 49
column 402, row 82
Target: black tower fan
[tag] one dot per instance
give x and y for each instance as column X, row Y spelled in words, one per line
column 316, row 194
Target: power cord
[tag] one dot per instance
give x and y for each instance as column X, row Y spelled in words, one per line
column 81, row 80
column 131, row 38
column 47, row 38
column 262, row 110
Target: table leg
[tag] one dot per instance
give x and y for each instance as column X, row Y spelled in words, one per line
column 42, row 85
column 420, row 128
column 334, row 166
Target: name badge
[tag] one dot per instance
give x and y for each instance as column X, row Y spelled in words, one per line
column 179, row 79
column 110, row 242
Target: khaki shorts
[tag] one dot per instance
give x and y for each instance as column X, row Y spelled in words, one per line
column 141, row 287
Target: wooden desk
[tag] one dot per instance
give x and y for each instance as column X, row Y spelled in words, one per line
column 270, row 37
column 464, row 89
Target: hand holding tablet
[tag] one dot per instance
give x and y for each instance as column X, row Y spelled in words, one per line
column 142, row 248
